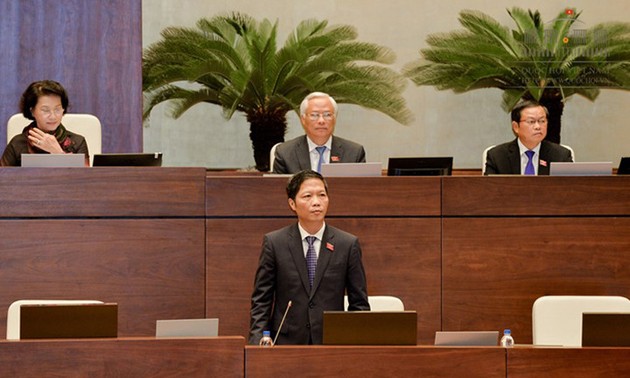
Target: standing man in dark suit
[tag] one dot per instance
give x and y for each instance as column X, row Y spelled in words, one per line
column 310, row 264
column 318, row 115
column 529, row 153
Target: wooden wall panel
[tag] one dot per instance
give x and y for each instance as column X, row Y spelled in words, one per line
column 401, row 258
column 493, row 269
column 358, row 196
column 137, row 357
column 97, row 192
column 374, row 361
column 568, row 362
column 153, row 268
column 536, row 196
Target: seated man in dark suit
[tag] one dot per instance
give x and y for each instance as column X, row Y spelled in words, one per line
column 529, row 153
column 318, row 115
column 310, row 264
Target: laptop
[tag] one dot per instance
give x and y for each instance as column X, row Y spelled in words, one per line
column 146, row 159
column 53, row 160
column 467, row 338
column 420, row 166
column 53, row 321
column 580, row 169
column 351, row 169
column 606, row 329
column 370, row 328
column 187, row 328
column 624, row 166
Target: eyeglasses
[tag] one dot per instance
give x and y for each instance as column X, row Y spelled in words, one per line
column 48, row 112
column 532, row 122
column 315, row 116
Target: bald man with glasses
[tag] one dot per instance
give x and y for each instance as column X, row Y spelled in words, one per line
column 318, row 115
column 529, row 153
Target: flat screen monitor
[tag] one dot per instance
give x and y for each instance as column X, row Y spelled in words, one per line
column 351, row 169
column 52, row 321
column 152, row 159
column 420, row 166
column 606, row 329
column 467, row 338
column 624, row 166
column 370, row 328
column 187, row 328
column 53, row 160
column 580, row 169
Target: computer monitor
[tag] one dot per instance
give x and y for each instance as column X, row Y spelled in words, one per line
column 51, row 321
column 580, row 168
column 466, row 338
column 146, row 159
column 606, row 329
column 624, row 166
column 420, row 166
column 370, row 328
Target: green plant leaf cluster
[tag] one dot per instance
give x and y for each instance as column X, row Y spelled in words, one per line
column 534, row 60
column 234, row 61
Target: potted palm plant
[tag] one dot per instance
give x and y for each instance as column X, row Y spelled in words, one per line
column 234, row 61
column 546, row 62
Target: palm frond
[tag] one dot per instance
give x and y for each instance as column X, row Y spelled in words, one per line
column 533, row 58
column 236, row 61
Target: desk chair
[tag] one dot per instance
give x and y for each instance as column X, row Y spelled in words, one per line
column 13, row 314
column 86, row 125
column 380, row 303
column 484, row 156
column 557, row 319
column 272, row 156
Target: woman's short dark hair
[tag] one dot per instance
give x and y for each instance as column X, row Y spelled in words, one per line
column 295, row 182
column 525, row 104
column 38, row 89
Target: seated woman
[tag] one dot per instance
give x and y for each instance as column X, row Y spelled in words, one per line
column 45, row 102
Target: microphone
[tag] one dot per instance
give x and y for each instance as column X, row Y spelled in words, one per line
column 282, row 321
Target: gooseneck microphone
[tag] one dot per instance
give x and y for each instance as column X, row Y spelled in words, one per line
column 282, row 322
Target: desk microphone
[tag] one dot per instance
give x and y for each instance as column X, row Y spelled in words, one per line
column 282, row 322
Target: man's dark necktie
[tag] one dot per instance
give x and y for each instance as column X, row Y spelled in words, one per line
column 320, row 150
column 529, row 168
column 311, row 258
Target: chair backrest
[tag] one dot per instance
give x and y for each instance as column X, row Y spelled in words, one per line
column 272, row 156
column 570, row 149
column 484, row 156
column 380, row 303
column 13, row 314
column 86, row 125
column 557, row 319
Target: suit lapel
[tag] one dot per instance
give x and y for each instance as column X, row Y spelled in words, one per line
column 336, row 151
column 543, row 159
column 514, row 157
column 325, row 252
column 297, row 252
column 302, row 154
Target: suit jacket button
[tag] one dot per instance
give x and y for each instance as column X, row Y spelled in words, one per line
column 308, row 325
column 311, row 305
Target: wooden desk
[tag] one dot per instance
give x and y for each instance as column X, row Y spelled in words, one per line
column 396, row 219
column 129, row 357
column 508, row 240
column 135, row 236
column 374, row 361
column 573, row 362
column 466, row 252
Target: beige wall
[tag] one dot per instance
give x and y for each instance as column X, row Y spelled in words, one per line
column 446, row 124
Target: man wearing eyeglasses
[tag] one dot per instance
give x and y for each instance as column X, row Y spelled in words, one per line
column 318, row 115
column 529, row 153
